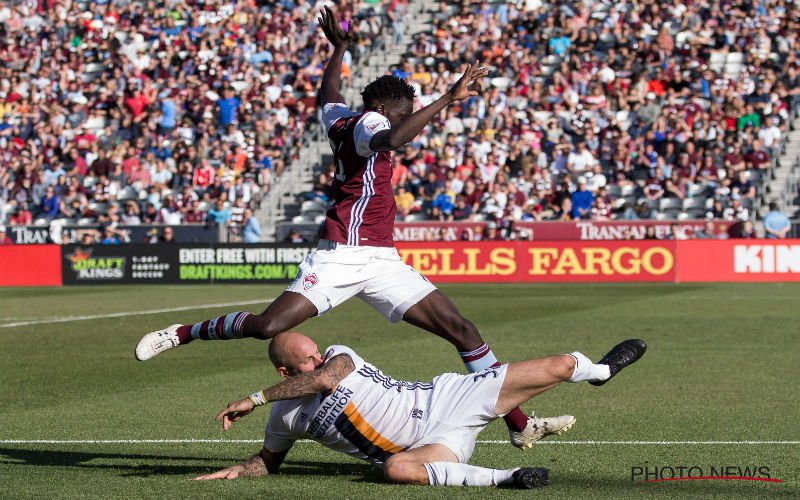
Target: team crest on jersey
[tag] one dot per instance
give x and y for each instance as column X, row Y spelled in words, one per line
column 372, row 126
column 309, row 281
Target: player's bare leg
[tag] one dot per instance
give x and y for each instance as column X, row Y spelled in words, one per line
column 438, row 314
column 286, row 312
column 437, row 465
column 526, row 379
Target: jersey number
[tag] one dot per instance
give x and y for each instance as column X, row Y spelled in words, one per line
column 484, row 374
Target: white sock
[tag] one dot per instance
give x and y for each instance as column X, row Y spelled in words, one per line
column 455, row 474
column 586, row 370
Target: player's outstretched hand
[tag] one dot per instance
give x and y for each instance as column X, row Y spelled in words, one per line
column 228, row 473
column 461, row 90
column 234, row 412
column 333, row 31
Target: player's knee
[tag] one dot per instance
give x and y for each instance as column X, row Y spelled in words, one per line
column 398, row 470
column 565, row 366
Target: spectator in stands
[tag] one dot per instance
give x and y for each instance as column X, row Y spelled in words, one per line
column 50, row 205
column 745, row 230
column 582, row 200
column 707, row 232
column 219, row 215
column 4, row 239
column 167, row 235
column 650, row 233
column 776, row 224
column 251, row 230
column 294, row 236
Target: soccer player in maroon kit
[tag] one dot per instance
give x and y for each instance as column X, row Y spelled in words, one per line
column 356, row 254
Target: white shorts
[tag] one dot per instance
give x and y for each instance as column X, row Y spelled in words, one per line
column 333, row 273
column 460, row 407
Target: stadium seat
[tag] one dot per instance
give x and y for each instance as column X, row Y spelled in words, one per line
column 41, row 221
column 670, row 204
column 696, row 190
column 614, row 191
column 98, row 207
column 748, row 203
column 697, row 213
column 683, row 216
column 754, row 175
column 86, row 221
column 694, row 203
column 627, row 190
column 127, row 193
column 312, row 206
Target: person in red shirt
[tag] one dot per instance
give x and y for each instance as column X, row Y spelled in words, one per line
column 4, row 239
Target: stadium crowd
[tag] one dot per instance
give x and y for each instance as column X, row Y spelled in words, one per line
column 177, row 112
column 170, row 112
column 636, row 110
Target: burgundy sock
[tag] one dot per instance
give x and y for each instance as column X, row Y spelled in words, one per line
column 229, row 326
column 516, row 420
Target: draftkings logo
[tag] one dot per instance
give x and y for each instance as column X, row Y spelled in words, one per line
column 87, row 267
column 648, row 473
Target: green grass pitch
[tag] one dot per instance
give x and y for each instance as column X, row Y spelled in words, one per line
column 721, row 366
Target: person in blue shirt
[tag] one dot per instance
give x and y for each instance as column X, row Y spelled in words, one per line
column 168, row 117
column 228, row 107
column 50, row 204
column 776, row 224
column 251, row 230
column 218, row 214
column 559, row 44
column 582, row 201
column 443, row 205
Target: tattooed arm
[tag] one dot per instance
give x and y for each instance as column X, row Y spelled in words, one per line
column 297, row 386
column 265, row 462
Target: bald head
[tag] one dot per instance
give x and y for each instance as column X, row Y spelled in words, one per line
column 293, row 353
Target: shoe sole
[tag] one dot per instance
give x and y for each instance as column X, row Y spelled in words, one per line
column 642, row 345
column 559, row 432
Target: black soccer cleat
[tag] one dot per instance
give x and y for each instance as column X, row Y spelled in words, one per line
column 528, row 478
column 623, row 354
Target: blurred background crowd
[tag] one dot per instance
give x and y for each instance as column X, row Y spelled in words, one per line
column 184, row 112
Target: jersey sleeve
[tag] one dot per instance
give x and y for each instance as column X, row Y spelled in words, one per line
column 278, row 435
column 335, row 350
column 332, row 112
column 365, row 130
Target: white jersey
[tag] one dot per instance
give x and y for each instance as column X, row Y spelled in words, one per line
column 345, row 419
column 371, row 416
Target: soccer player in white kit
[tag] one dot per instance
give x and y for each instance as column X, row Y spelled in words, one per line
column 356, row 255
column 417, row 432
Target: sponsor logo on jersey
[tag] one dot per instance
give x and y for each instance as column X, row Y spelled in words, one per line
column 309, row 281
column 373, row 126
column 329, row 411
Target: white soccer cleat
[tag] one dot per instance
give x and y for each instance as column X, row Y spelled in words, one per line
column 157, row 342
column 539, row 428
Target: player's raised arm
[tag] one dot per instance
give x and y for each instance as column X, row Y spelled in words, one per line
column 297, row 386
column 340, row 40
column 410, row 127
column 261, row 464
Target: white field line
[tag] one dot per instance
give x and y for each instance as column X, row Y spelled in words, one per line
column 248, row 441
column 67, row 319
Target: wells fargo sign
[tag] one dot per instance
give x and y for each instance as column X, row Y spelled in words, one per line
column 542, row 261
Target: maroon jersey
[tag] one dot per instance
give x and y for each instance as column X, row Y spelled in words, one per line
column 363, row 210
